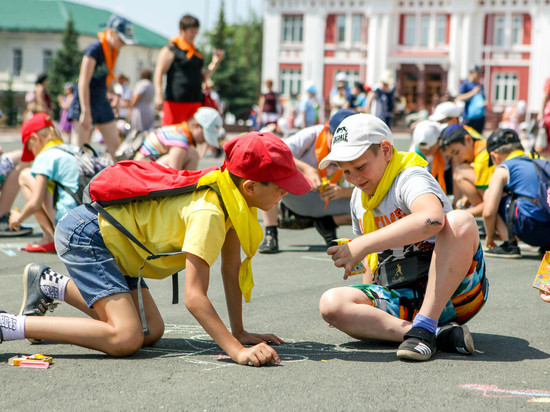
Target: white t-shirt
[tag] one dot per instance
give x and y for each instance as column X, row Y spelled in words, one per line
column 407, row 186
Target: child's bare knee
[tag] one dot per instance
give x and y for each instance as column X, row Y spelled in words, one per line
column 330, row 305
column 462, row 223
column 126, row 343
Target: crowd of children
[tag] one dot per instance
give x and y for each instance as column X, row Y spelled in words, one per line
column 414, row 214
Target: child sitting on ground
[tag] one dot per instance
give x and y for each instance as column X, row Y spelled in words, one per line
column 471, row 170
column 407, row 229
column 104, row 264
column 10, row 167
column 517, row 174
column 39, row 183
column 174, row 145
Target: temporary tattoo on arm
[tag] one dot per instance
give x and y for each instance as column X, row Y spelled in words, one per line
column 433, row 222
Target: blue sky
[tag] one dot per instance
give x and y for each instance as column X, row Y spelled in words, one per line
column 162, row 16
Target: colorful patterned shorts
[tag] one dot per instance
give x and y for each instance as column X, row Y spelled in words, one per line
column 466, row 302
column 6, row 166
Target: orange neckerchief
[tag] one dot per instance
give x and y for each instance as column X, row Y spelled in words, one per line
column 110, row 56
column 321, row 151
column 438, row 169
column 185, row 127
column 184, row 45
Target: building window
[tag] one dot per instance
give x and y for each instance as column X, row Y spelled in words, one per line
column 292, row 29
column 17, row 62
column 424, row 30
column 517, row 30
column 291, row 82
column 505, row 88
column 500, row 25
column 46, row 60
column 410, row 31
column 441, row 30
column 356, row 28
column 340, row 29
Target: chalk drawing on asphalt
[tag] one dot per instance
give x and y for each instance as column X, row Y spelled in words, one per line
column 493, row 391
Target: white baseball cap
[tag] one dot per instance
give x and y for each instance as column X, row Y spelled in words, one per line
column 341, row 77
column 426, row 133
column 354, row 136
column 445, row 110
column 211, row 123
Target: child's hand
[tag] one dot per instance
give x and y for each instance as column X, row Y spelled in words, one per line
column 257, row 355
column 15, row 216
column 545, row 294
column 343, row 257
column 332, row 192
column 247, row 338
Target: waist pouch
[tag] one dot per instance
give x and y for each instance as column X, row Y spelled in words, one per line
column 405, row 273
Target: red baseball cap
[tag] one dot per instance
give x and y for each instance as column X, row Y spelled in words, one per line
column 35, row 123
column 264, row 157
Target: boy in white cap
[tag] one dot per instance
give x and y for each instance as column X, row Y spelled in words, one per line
column 406, row 227
column 425, row 136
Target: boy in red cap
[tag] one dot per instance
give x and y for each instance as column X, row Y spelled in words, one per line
column 40, row 183
column 104, row 264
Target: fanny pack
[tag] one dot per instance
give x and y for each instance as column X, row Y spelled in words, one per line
column 408, row 272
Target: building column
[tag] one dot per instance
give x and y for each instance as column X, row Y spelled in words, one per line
column 373, row 49
column 271, row 47
column 455, row 41
column 313, row 49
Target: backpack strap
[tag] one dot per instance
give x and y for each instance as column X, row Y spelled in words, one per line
column 111, row 219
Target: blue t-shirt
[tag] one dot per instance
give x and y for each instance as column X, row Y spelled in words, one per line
column 62, row 167
column 98, row 83
column 466, row 87
column 523, row 180
column 309, row 107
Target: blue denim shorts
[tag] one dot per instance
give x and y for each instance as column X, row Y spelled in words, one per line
column 90, row 264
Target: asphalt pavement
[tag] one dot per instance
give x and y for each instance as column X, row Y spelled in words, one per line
column 321, row 369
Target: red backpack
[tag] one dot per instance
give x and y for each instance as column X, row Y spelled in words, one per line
column 131, row 180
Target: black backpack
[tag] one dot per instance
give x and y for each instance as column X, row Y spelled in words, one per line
column 89, row 164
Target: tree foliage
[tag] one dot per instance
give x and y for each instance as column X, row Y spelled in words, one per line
column 65, row 66
column 237, row 78
column 9, row 106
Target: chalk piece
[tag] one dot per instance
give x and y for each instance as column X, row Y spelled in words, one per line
column 34, row 364
column 250, row 364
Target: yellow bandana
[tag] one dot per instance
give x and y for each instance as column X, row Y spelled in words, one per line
column 244, row 221
column 399, row 162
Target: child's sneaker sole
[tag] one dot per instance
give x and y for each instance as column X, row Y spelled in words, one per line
column 455, row 338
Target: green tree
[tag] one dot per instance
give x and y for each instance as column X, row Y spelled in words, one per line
column 8, row 105
column 65, row 66
column 237, row 79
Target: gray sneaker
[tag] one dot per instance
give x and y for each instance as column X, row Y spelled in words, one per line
column 35, row 303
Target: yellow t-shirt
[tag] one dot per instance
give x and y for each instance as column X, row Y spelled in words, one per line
column 192, row 222
column 481, row 165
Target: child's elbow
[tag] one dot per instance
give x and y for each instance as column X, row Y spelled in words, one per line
column 194, row 301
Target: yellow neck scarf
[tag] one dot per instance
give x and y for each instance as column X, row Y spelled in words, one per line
column 399, row 162
column 51, row 143
column 515, row 153
column 244, row 221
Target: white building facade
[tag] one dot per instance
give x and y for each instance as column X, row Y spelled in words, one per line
column 428, row 45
